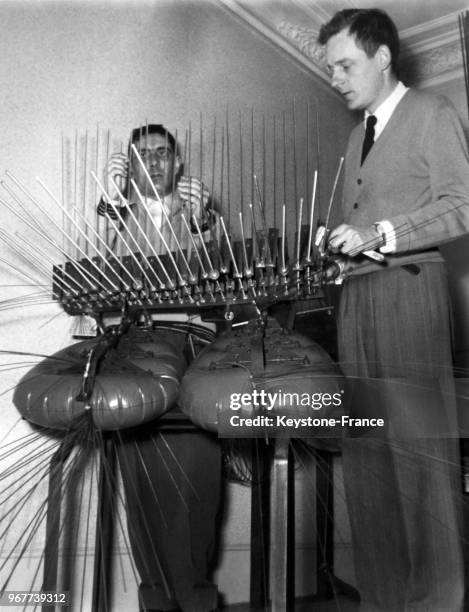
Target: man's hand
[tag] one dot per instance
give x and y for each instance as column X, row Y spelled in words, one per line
column 351, row 240
column 333, row 270
column 116, row 168
column 195, row 193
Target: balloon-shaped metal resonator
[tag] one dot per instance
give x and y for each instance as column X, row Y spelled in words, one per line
column 297, row 376
column 119, row 380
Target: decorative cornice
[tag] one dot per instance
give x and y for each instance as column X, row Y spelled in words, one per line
column 287, row 40
column 440, row 63
column 431, row 52
column 305, row 39
column 443, row 26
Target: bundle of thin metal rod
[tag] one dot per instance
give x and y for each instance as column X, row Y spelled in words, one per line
column 249, row 262
column 256, row 269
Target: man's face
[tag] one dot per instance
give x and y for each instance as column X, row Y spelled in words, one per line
column 160, row 161
column 359, row 78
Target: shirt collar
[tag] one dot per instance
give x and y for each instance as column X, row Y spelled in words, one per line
column 385, row 110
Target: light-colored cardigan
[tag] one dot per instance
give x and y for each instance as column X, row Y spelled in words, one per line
column 416, row 176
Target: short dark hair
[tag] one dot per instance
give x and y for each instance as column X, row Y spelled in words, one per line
column 154, row 128
column 371, row 29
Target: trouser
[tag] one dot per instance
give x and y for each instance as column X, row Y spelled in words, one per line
column 172, row 486
column 402, row 481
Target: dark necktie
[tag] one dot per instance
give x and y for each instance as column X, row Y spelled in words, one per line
column 369, row 136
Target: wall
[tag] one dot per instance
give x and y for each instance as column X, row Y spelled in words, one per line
column 68, row 67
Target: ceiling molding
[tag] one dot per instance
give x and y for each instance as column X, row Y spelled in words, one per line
column 297, row 41
column 431, row 52
column 435, row 65
column 428, row 29
column 305, row 40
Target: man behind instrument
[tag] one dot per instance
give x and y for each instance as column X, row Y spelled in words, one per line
column 175, row 194
column 406, row 191
column 171, row 480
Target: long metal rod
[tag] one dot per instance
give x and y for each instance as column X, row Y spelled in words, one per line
column 263, row 220
column 213, row 273
column 132, row 254
column 334, row 188
column 222, row 223
column 86, row 274
column 311, row 219
column 75, row 176
column 32, row 259
column 20, row 204
column 61, row 230
column 241, row 166
column 62, row 167
column 80, row 230
column 100, row 240
column 161, row 237
column 228, row 165
column 143, row 232
column 194, row 244
column 279, row 552
column 295, row 177
column 22, row 272
column 160, row 202
column 36, row 248
column 125, row 226
column 283, row 237
column 298, row 236
column 222, row 169
column 17, row 247
column 95, row 187
column 255, row 244
column 85, row 173
column 248, row 269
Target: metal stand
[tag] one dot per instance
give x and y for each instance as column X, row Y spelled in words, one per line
column 283, row 549
column 282, row 545
column 260, row 526
column 327, row 582
column 281, row 561
column 102, row 570
column 54, row 498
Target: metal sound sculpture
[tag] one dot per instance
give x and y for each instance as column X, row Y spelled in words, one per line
column 242, row 278
column 128, row 375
